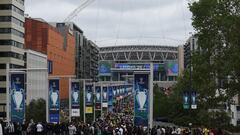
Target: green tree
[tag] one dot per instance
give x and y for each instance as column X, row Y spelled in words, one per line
column 36, row 110
column 217, row 24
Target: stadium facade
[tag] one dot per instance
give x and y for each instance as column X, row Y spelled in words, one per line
column 117, row 63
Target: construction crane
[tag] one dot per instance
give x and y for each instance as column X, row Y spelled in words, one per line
column 83, row 5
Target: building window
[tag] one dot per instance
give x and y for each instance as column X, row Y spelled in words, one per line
column 11, row 7
column 50, row 67
column 11, row 42
column 2, row 66
column 12, row 66
column 11, row 19
column 11, row 54
column 2, row 78
column 13, row 31
column 3, row 90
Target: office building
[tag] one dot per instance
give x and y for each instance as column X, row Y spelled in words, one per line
column 11, row 45
column 58, row 45
column 87, row 52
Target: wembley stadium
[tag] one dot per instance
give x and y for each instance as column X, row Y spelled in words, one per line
column 117, row 63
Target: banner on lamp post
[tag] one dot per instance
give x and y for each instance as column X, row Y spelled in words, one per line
column 17, row 97
column 193, row 100
column 75, row 99
column 54, row 101
column 98, row 97
column 141, row 99
column 89, row 95
column 186, row 100
column 110, row 99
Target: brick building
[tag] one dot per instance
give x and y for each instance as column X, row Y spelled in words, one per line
column 59, row 47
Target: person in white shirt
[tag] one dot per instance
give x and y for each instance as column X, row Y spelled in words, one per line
column 72, row 129
column 39, row 128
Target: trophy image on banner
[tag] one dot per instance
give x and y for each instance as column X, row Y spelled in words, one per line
column 89, row 96
column 54, row 95
column 185, row 99
column 17, row 95
column 105, row 95
column 117, row 91
column 75, row 94
column 98, row 96
column 114, row 92
column 141, row 95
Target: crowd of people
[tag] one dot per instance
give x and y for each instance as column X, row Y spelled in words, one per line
column 118, row 122
column 110, row 124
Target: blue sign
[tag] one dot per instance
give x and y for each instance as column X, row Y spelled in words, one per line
column 17, row 93
column 105, row 68
column 141, row 103
column 88, row 95
column 186, row 100
column 75, row 90
column 105, row 94
column 98, row 94
column 110, row 99
column 114, row 92
column 54, row 101
column 193, row 100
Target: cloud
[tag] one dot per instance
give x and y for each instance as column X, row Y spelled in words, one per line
column 112, row 22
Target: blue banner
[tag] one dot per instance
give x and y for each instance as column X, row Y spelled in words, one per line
column 98, row 97
column 186, row 100
column 118, row 90
column 110, row 99
column 193, row 100
column 98, row 94
column 18, row 96
column 88, row 95
column 125, row 90
column 141, row 103
column 105, row 95
column 54, row 101
column 114, row 92
column 75, row 99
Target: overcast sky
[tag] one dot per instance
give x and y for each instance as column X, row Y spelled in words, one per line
column 122, row 22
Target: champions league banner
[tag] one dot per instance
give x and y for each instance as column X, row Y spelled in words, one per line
column 105, row 95
column 193, row 100
column 125, row 90
column 98, row 97
column 118, row 91
column 110, row 99
column 54, row 102
column 114, row 92
column 186, row 100
column 75, row 99
column 88, row 95
column 17, row 93
column 141, row 103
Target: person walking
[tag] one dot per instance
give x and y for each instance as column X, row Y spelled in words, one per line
column 39, row 128
column 71, row 129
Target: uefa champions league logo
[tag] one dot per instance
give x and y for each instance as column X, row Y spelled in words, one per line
column 54, row 95
column 17, row 95
column 75, row 94
column 141, row 95
column 89, row 96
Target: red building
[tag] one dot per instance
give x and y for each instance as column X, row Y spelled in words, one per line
column 59, row 47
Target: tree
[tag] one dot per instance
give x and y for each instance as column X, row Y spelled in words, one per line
column 215, row 63
column 36, row 110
